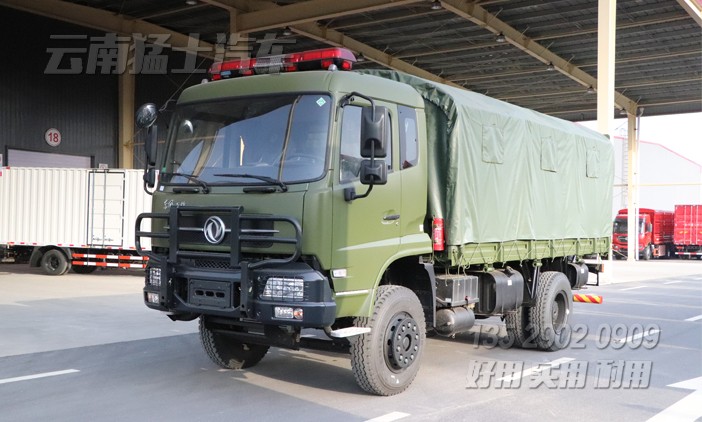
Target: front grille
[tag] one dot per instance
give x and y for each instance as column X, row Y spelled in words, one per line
column 192, row 224
column 214, row 264
column 185, row 233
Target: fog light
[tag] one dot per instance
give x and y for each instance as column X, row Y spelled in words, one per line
column 297, row 313
column 285, row 312
column 152, row 297
column 155, row 276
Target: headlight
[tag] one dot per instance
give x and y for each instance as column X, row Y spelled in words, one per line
column 287, row 289
column 154, row 277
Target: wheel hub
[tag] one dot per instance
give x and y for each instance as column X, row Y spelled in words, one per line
column 402, row 342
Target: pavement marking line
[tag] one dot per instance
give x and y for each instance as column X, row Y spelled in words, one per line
column 539, row 368
column 694, row 318
column 686, row 409
column 35, row 376
column 393, row 416
column 675, row 282
column 633, row 288
column 636, row 336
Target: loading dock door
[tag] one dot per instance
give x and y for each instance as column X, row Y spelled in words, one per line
column 22, row 158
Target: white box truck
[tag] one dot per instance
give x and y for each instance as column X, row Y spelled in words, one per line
column 63, row 218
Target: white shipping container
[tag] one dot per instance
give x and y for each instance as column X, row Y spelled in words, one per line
column 79, row 208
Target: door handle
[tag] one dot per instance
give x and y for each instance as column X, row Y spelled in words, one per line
column 391, row 217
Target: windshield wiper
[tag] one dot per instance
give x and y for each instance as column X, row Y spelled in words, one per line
column 283, row 186
column 192, row 177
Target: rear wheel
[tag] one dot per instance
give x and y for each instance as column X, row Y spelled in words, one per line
column 386, row 360
column 54, row 262
column 549, row 316
column 227, row 351
column 519, row 328
column 83, row 269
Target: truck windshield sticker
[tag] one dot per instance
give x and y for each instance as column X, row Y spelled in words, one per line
column 321, row 102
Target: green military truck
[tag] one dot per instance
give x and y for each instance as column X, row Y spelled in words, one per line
column 372, row 206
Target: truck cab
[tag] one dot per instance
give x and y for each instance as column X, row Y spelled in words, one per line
column 654, row 233
column 261, row 226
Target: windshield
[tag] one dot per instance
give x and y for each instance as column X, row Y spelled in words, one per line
column 250, row 140
column 621, row 225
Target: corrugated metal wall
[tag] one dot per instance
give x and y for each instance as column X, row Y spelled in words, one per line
column 82, row 107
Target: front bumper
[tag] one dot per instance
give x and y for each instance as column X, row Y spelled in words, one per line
column 193, row 279
column 242, row 294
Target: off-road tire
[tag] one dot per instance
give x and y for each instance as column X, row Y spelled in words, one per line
column 227, row 351
column 519, row 328
column 549, row 316
column 386, row 360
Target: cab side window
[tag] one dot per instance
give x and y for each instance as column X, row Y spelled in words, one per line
column 409, row 149
column 350, row 157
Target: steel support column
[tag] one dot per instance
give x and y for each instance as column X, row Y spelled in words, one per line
column 606, row 37
column 125, row 92
column 632, row 188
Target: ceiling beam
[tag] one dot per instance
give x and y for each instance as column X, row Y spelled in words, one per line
column 335, row 38
column 550, row 36
column 693, row 8
column 652, row 58
column 102, row 20
column 310, row 11
column 492, row 23
column 643, row 104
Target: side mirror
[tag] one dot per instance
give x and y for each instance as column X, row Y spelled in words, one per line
column 374, row 133
column 151, row 145
column 374, row 172
column 146, row 115
column 150, row 177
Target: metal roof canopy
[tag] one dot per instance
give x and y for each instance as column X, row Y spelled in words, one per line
column 547, row 61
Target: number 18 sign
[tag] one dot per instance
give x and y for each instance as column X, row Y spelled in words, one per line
column 53, row 137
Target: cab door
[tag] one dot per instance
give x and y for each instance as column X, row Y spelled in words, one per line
column 366, row 231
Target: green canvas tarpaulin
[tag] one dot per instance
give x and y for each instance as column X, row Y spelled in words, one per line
column 499, row 172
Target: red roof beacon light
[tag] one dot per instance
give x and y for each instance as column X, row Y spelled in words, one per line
column 322, row 59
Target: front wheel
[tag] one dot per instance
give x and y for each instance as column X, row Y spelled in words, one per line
column 54, row 262
column 647, row 253
column 227, row 351
column 386, row 360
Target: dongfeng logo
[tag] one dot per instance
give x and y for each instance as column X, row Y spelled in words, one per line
column 214, row 230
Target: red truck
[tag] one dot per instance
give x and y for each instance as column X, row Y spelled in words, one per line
column 688, row 231
column 655, row 231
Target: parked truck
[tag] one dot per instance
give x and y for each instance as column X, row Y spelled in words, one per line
column 371, row 206
column 63, row 218
column 654, row 231
column 688, row 231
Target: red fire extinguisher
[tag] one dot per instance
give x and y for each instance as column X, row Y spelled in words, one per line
column 437, row 228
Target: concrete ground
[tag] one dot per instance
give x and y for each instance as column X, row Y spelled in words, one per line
column 625, row 271
column 84, row 347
